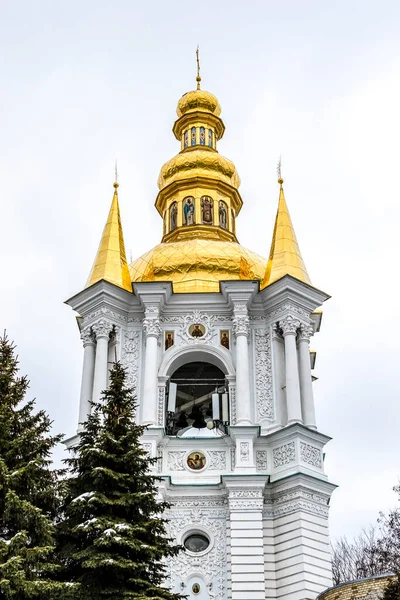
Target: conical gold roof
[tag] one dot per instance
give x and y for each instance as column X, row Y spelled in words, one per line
column 110, row 263
column 284, row 257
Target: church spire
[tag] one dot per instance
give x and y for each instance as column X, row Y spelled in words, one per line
column 110, row 263
column 284, row 257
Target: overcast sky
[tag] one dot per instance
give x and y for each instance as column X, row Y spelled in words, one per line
column 84, row 82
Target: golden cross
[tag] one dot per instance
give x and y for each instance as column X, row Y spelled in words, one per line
column 198, row 78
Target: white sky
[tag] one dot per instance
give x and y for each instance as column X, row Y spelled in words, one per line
column 84, row 82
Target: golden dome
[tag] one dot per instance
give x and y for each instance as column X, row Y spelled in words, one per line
column 197, row 163
column 198, row 265
column 198, row 100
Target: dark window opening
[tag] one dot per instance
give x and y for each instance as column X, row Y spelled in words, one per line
column 196, row 383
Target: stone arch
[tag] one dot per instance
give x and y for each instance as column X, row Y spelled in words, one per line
column 179, row 356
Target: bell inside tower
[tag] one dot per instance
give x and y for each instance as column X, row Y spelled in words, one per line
column 197, row 400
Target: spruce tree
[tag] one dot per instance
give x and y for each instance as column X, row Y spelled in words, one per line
column 28, row 489
column 112, row 538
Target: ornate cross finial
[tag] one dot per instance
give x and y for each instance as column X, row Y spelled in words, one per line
column 279, row 170
column 116, row 184
column 198, row 78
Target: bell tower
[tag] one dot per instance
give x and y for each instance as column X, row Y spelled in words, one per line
column 216, row 341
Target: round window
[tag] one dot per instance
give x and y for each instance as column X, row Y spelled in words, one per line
column 196, row 542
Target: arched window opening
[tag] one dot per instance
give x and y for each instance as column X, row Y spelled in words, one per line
column 186, row 139
column 173, row 216
column 198, row 401
column 193, row 136
column 223, row 214
column 210, row 138
column 202, row 136
column 188, row 210
column 206, row 203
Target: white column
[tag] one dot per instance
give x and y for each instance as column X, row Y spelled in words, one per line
column 241, row 331
column 307, row 397
column 278, row 361
column 152, row 331
column 102, row 330
column 247, row 551
column 89, row 344
column 289, row 327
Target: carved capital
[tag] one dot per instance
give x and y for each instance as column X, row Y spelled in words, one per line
column 151, row 322
column 87, row 337
column 102, row 329
column 151, row 328
column 241, row 325
column 289, row 325
column 305, row 332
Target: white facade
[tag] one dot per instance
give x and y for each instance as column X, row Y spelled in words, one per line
column 261, row 500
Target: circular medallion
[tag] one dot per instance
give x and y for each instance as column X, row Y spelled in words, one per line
column 195, row 588
column 196, row 461
column 197, row 330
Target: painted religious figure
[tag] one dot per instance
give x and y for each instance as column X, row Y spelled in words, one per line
column 197, row 330
column 193, row 136
column 207, row 210
column 169, row 339
column 173, row 216
column 222, row 210
column 188, row 210
column 210, row 138
column 224, row 339
column 186, row 139
column 202, row 136
column 196, row 461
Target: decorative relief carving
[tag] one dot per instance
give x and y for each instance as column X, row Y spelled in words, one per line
column 197, row 317
column 288, row 307
column 244, row 452
column 289, row 325
column 217, row 460
column 147, row 447
column 246, row 493
column 240, row 308
column 179, row 320
column 263, row 374
column 175, row 460
column 232, row 399
column 246, row 499
column 197, row 502
column 130, row 358
column 161, row 405
column 311, row 455
column 233, row 457
column 284, row 455
column 159, row 461
column 297, row 500
column 212, row 565
column 261, row 460
column 104, row 311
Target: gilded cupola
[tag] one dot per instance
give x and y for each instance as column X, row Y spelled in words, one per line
column 199, row 201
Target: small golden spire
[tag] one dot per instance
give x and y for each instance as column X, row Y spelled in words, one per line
column 284, row 257
column 198, row 78
column 110, row 263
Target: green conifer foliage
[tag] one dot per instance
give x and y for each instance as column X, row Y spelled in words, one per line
column 112, row 538
column 28, row 489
